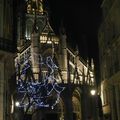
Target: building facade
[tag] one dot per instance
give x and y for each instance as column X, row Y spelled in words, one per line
column 109, row 47
column 38, row 42
column 6, row 56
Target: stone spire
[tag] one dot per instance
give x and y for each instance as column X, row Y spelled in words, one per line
column 92, row 64
column 35, row 45
column 35, row 4
column 63, row 49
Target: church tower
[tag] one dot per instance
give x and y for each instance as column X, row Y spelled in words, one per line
column 35, row 35
column 28, row 12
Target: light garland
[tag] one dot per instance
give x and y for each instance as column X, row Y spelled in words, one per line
column 44, row 92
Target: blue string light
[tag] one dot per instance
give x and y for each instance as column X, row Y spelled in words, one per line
column 38, row 93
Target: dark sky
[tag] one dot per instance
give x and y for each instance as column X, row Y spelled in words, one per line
column 81, row 19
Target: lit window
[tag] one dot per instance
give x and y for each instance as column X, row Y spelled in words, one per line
column 45, row 38
column 49, row 42
column 33, row 9
column 28, row 8
column 28, row 29
column 105, row 97
column 56, row 42
column 41, row 37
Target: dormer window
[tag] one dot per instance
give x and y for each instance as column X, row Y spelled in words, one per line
column 28, row 8
column 44, row 38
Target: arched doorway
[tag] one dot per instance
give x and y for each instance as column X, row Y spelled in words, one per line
column 76, row 103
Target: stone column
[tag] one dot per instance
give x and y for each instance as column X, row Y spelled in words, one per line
column 87, row 102
column 112, row 103
column 68, row 105
column 35, row 54
column 6, row 71
column 63, row 57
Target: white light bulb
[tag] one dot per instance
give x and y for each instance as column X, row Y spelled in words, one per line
column 93, row 92
column 17, row 104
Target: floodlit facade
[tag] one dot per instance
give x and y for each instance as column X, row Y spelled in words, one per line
column 109, row 47
column 36, row 42
column 37, row 39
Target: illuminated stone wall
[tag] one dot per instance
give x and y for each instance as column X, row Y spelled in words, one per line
column 6, row 72
column 6, row 56
column 109, row 47
column 73, row 71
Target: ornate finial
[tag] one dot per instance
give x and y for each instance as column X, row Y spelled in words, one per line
column 62, row 29
column 87, row 62
column 92, row 64
column 77, row 51
column 34, row 25
column 35, row 4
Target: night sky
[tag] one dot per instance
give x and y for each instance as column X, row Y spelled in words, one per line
column 81, row 19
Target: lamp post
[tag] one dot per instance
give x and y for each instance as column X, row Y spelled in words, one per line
column 93, row 97
column 97, row 111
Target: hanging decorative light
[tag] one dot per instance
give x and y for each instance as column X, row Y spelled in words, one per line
column 44, row 92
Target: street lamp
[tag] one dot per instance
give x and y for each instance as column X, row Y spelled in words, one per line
column 93, row 92
column 97, row 105
column 17, row 104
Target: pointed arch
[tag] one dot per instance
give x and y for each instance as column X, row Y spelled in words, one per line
column 76, row 103
column 29, row 27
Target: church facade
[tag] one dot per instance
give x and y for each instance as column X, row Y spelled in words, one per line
column 51, row 60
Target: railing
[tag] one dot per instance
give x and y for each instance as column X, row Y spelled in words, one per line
column 82, row 76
